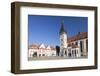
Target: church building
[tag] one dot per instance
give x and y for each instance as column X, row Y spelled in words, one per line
column 76, row 46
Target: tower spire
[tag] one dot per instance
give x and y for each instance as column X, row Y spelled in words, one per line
column 62, row 27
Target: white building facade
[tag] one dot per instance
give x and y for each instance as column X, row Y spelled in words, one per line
column 76, row 46
column 41, row 50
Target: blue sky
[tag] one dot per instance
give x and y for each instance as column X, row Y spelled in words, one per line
column 45, row 29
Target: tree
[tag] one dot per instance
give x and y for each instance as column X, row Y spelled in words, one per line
column 34, row 54
column 57, row 50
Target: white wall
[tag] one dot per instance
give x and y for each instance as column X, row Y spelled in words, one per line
column 5, row 33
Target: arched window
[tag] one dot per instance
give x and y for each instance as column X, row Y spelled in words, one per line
column 75, row 52
column 72, row 51
column 81, row 46
column 65, row 52
column 43, row 54
column 87, row 45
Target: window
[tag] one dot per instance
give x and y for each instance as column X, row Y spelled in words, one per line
column 61, row 44
column 76, row 43
column 87, row 45
column 43, row 55
column 72, row 51
column 53, row 54
column 75, row 52
column 81, row 46
column 62, row 40
column 39, row 54
column 65, row 52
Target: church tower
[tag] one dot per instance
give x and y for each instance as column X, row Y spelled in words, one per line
column 63, row 40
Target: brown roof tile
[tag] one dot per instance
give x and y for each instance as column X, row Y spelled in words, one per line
column 37, row 47
column 79, row 36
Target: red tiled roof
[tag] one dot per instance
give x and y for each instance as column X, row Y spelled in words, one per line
column 34, row 46
column 79, row 36
column 37, row 47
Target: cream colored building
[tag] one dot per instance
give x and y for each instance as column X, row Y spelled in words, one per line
column 41, row 50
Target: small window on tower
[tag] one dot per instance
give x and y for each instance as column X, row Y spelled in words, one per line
column 61, row 44
column 61, row 39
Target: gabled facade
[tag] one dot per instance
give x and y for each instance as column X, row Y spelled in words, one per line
column 41, row 50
